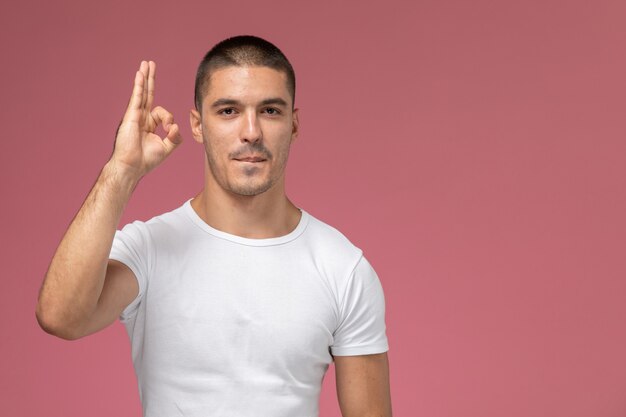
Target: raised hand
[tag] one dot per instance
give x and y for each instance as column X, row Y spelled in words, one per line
column 138, row 148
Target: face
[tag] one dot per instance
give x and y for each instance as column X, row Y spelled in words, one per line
column 247, row 126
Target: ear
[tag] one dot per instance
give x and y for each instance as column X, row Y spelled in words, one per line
column 296, row 125
column 196, row 125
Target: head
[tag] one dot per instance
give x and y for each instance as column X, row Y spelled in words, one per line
column 245, row 115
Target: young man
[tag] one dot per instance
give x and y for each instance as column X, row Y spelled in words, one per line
column 237, row 302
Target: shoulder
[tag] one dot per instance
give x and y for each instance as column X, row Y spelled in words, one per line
column 165, row 224
column 328, row 243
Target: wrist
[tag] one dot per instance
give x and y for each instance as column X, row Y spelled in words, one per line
column 122, row 176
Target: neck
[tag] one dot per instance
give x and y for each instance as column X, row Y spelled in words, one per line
column 267, row 215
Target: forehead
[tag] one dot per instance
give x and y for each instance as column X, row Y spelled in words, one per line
column 247, row 84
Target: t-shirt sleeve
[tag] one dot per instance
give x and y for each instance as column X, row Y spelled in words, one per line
column 361, row 329
column 132, row 247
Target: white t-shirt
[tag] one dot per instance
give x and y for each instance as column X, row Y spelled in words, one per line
column 230, row 326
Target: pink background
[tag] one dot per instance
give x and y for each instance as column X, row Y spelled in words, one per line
column 474, row 149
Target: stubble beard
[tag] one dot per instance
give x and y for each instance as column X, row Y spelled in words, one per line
column 249, row 187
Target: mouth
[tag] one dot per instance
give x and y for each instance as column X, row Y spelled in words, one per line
column 251, row 159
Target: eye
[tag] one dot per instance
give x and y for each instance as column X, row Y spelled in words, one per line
column 272, row 111
column 228, row 111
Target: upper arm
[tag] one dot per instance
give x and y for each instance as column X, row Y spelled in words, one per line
column 119, row 290
column 363, row 385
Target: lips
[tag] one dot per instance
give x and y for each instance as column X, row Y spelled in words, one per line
column 251, row 159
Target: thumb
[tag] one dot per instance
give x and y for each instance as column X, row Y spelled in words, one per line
column 173, row 138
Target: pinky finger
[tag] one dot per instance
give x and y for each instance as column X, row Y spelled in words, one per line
column 137, row 95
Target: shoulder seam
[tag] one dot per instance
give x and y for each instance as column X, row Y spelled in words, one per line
column 345, row 289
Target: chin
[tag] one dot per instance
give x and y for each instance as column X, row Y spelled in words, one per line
column 250, row 189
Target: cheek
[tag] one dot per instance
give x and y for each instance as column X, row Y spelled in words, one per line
column 281, row 155
column 216, row 140
column 219, row 129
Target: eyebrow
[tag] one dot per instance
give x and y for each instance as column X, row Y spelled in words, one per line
column 231, row 102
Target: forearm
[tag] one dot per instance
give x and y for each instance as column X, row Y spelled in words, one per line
column 74, row 281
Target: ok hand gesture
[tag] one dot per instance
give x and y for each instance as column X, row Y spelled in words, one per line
column 137, row 148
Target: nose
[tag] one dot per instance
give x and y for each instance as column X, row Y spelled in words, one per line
column 251, row 129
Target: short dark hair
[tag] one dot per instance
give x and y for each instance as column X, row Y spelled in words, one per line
column 242, row 51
